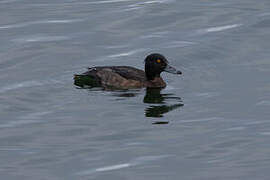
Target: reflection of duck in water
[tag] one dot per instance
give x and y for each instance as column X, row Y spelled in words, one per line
column 153, row 96
column 159, row 102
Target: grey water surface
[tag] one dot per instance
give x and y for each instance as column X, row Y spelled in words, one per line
column 212, row 122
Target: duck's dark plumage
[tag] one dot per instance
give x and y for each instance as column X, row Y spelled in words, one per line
column 126, row 77
column 127, row 72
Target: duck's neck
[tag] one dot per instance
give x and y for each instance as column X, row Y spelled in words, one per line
column 157, row 82
column 151, row 75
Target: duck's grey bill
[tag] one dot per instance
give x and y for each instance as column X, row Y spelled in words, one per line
column 172, row 70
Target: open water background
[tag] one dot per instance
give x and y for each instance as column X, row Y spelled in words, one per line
column 213, row 122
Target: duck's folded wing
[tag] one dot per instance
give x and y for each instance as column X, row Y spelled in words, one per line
column 126, row 72
column 129, row 72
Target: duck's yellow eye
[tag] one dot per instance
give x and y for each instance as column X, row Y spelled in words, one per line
column 158, row 61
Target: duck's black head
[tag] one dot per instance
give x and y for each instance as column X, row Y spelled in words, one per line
column 156, row 64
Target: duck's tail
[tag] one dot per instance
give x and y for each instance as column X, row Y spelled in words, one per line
column 83, row 80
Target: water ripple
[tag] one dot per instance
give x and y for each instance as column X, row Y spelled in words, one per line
column 264, row 14
column 150, row 2
column 263, row 103
column 113, row 167
column 133, row 162
column 219, row 28
column 53, row 21
column 201, row 120
column 8, row 1
column 73, row 3
column 127, row 53
column 119, row 1
column 41, row 38
column 26, row 84
column 11, row 124
column 155, row 35
column 265, row 133
column 107, row 1
column 178, row 44
column 19, row 85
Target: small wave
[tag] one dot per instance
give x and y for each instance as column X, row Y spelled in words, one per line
column 145, row 159
column 178, row 44
column 127, row 53
column 265, row 133
column 200, row 120
column 263, row 103
column 30, row 118
column 35, row 115
column 20, row 85
column 155, row 35
column 157, row 1
column 73, row 3
column 136, row 161
column 114, row 167
column 62, row 21
column 109, row 1
column 135, row 144
column 140, row 5
column 41, row 38
column 121, row 54
column 265, row 14
column 8, row 1
column 115, row 46
column 168, row 87
column 93, row 2
column 25, row 84
column 239, row 128
column 17, row 123
column 219, row 28
column 151, row 2
column 53, row 21
column 206, row 94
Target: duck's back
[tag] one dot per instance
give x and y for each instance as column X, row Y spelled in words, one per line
column 112, row 76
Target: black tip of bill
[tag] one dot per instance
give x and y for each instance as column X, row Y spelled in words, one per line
column 172, row 70
column 178, row 72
